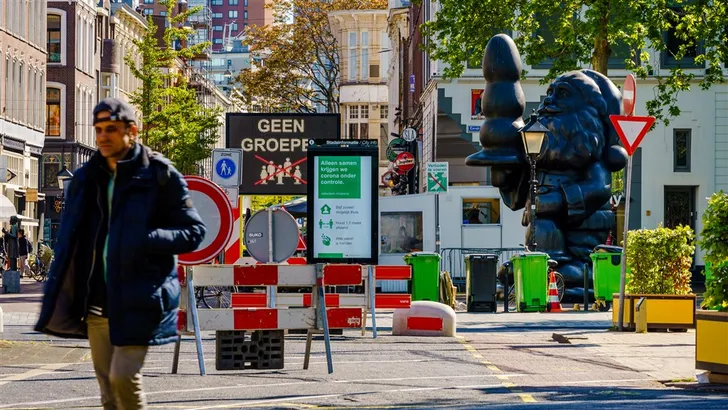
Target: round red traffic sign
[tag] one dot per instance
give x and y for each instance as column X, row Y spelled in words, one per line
column 405, row 162
column 629, row 95
column 216, row 212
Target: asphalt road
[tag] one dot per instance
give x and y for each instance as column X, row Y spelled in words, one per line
column 389, row 372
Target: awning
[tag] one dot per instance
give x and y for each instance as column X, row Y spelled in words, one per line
column 296, row 207
column 24, row 220
column 7, row 208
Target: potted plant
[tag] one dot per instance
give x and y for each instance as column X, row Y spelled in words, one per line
column 659, row 262
column 711, row 339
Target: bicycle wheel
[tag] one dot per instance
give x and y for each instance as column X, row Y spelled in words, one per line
column 217, row 297
column 560, row 285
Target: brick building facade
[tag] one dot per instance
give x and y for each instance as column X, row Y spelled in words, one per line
column 22, row 116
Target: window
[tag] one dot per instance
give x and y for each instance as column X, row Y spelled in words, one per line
column 401, row 232
column 54, row 38
column 217, row 41
column 353, row 63
column 545, row 32
column 383, row 140
column 163, row 13
column 384, row 54
column 234, row 27
column 673, row 43
column 217, row 15
column 217, row 2
column 217, row 28
column 53, row 112
column 681, row 151
column 245, row 3
column 148, row 12
column 148, row 1
column 479, row 211
column 357, row 122
column 232, row 2
column 364, row 55
column 384, row 111
column 51, row 167
column 245, row 14
column 233, row 14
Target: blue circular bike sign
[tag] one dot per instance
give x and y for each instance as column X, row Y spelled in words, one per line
column 225, row 168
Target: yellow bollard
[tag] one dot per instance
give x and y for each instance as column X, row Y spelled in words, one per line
column 641, row 316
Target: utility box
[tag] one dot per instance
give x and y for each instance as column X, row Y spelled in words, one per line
column 11, row 281
column 480, row 282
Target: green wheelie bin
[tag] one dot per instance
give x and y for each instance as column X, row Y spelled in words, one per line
column 425, row 283
column 607, row 267
column 530, row 271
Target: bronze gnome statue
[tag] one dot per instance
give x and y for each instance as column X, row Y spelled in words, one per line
column 578, row 155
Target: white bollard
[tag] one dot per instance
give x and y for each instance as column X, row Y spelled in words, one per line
column 2, row 320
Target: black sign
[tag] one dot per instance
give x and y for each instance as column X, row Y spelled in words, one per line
column 274, row 149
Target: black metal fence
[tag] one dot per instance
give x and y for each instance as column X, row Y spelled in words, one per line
column 453, row 260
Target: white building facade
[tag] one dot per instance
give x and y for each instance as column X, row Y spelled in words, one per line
column 675, row 169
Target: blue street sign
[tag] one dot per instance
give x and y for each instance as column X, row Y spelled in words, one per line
column 473, row 128
column 225, row 168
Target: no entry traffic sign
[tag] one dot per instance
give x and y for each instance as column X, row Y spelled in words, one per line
column 629, row 95
column 214, row 207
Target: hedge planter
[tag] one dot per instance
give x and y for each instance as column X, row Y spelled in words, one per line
column 663, row 311
column 711, row 343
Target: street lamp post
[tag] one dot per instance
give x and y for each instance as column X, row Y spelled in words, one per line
column 532, row 134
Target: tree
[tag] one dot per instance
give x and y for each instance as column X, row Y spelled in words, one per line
column 296, row 58
column 259, row 202
column 573, row 33
column 174, row 122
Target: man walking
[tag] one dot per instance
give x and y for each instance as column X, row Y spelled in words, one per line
column 114, row 281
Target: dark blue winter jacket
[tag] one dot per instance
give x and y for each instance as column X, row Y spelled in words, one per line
column 151, row 221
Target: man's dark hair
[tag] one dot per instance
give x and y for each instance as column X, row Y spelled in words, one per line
column 22, row 232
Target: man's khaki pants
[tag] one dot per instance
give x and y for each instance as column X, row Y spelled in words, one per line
column 118, row 368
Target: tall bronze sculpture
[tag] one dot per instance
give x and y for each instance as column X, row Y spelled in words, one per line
column 573, row 170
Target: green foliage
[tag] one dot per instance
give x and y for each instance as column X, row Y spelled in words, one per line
column 259, row 202
column 571, row 34
column 714, row 241
column 174, row 121
column 618, row 182
column 659, row 260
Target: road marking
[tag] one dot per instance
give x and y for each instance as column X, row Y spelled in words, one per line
column 45, row 369
column 526, row 398
column 326, row 396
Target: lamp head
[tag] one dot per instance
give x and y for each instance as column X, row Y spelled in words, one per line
column 533, row 134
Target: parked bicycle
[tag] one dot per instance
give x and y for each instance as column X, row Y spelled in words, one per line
column 40, row 263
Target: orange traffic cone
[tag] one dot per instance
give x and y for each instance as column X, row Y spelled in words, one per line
column 554, row 306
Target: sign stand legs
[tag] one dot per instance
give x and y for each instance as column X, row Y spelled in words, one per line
column 623, row 273
column 192, row 308
column 175, row 361
column 319, row 300
column 372, row 299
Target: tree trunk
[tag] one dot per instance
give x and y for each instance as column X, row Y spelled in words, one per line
column 602, row 50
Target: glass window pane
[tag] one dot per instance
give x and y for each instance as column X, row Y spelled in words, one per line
column 481, row 211
column 401, row 232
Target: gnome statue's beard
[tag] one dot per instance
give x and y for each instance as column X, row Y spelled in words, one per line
column 575, row 139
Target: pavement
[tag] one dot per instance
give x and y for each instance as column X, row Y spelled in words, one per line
column 497, row 361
